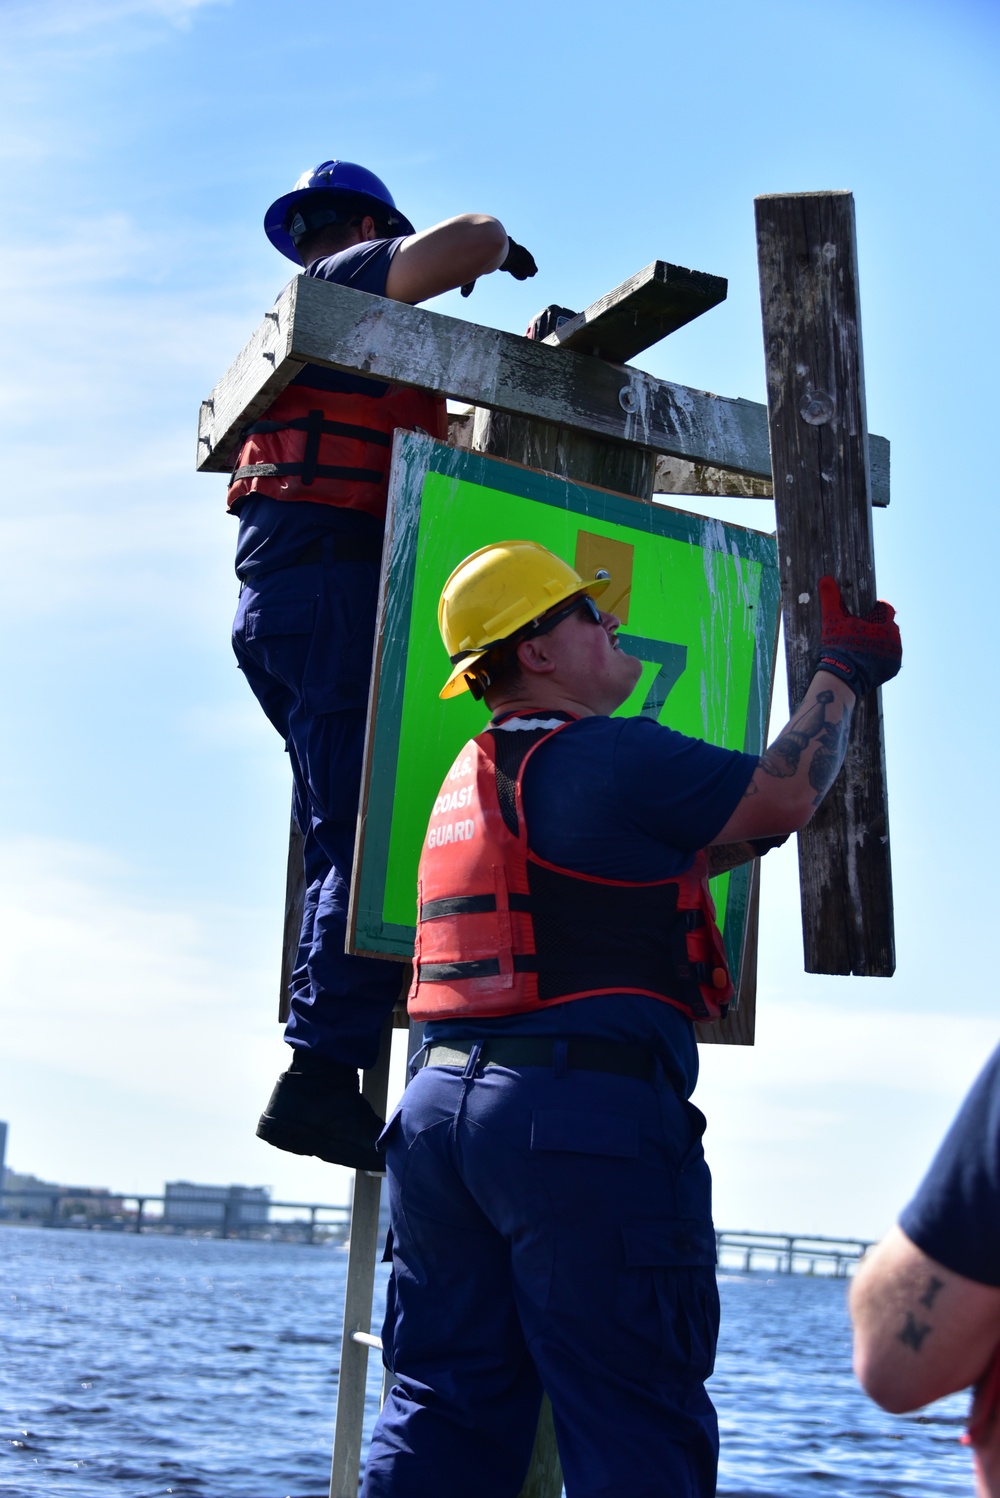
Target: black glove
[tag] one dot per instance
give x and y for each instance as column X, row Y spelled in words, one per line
column 520, row 263
column 864, row 651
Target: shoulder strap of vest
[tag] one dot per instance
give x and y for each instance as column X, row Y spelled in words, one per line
column 512, row 748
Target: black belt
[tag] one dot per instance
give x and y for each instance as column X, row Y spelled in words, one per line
column 325, row 549
column 581, row 1054
column 338, row 549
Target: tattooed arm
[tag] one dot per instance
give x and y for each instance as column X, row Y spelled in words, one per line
column 920, row 1330
column 725, row 856
column 722, row 859
column 796, row 771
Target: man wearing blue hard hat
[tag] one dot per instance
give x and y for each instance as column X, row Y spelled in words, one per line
column 309, row 488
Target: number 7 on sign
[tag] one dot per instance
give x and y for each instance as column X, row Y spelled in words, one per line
column 671, row 658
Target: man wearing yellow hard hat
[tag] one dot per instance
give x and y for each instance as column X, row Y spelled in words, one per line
column 550, row 1201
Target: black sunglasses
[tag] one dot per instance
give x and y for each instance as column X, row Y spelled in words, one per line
column 549, row 622
column 539, row 627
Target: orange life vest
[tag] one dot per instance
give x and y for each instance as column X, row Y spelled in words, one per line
column 500, row 931
column 333, row 449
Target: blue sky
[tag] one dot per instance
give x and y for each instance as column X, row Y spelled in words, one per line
column 144, row 799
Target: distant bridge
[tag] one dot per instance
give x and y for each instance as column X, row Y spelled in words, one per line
column 781, row 1253
column 789, row 1253
column 233, row 1219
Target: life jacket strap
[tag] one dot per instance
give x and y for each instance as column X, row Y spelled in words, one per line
column 316, row 426
column 470, row 905
column 307, row 474
column 326, row 429
column 487, row 967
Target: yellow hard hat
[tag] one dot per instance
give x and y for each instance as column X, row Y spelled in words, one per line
column 495, row 592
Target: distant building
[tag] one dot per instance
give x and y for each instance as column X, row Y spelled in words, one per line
column 26, row 1198
column 226, row 1208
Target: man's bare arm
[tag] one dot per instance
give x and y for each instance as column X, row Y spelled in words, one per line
column 857, row 654
column 796, row 771
column 725, row 856
column 446, row 256
column 920, row 1330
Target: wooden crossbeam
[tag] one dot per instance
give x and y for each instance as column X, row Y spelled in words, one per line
column 815, row 387
column 318, row 322
column 642, row 310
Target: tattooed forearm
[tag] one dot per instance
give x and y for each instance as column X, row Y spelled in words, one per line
column 914, row 1332
column 725, row 856
column 783, row 758
column 932, row 1292
column 829, row 756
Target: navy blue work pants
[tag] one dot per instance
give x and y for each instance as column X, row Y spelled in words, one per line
column 550, row 1229
column 303, row 638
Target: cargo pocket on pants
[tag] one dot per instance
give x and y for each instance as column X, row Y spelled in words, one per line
column 668, row 1300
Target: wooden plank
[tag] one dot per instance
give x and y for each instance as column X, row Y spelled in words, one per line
column 340, row 328
column 678, row 476
column 544, row 1479
column 816, row 398
column 259, row 373
column 647, row 307
column 558, row 449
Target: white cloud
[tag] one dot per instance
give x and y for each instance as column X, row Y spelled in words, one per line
column 71, row 17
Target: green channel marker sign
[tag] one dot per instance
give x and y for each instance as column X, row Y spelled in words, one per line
column 698, row 601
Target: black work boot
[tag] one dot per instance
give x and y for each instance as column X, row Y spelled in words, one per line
column 316, row 1108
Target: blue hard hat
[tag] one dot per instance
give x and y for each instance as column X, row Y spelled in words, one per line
column 332, row 178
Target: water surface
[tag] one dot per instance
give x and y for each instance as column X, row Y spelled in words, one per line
column 142, row 1366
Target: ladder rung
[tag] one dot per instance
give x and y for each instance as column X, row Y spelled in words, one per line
column 367, row 1340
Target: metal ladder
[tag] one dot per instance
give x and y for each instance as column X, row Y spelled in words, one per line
column 362, row 1257
column 544, row 1478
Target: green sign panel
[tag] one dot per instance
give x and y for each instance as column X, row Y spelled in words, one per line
column 698, row 601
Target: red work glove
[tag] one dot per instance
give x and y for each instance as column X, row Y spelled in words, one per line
column 863, row 651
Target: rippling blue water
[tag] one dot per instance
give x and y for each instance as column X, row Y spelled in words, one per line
column 146, row 1366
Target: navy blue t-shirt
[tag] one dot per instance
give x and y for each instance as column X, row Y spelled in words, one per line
column 623, row 798
column 273, row 531
column 955, row 1215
